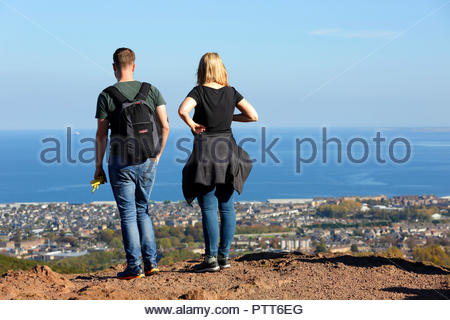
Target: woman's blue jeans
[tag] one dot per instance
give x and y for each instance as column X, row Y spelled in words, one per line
column 213, row 198
column 132, row 185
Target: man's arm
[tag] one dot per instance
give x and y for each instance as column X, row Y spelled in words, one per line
column 101, row 139
column 162, row 114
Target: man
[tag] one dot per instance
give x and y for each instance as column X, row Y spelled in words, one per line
column 131, row 182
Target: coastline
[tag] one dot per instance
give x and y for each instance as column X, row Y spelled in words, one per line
column 269, row 200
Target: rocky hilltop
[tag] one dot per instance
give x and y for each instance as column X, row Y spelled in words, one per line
column 252, row 276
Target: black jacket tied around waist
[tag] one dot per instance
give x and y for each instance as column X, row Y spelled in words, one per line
column 215, row 159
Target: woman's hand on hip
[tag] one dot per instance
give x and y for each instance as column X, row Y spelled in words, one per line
column 197, row 128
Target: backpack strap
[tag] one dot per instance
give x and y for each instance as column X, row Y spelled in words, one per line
column 143, row 91
column 115, row 94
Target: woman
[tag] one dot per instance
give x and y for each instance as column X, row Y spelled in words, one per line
column 217, row 166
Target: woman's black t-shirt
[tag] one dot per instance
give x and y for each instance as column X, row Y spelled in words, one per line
column 215, row 107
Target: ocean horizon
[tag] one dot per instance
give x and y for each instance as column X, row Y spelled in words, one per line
column 410, row 161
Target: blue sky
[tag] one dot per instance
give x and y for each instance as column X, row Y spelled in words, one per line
column 301, row 63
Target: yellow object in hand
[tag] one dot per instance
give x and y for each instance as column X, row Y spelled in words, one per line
column 97, row 182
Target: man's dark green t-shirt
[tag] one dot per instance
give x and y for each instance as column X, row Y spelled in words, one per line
column 106, row 106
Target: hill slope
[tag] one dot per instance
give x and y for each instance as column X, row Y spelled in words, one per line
column 253, row 276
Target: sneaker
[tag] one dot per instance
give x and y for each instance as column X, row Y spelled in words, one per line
column 129, row 274
column 150, row 270
column 223, row 262
column 208, row 265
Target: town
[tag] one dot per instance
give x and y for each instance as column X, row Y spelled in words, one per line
column 52, row 231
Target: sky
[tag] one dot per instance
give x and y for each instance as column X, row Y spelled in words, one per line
column 300, row 63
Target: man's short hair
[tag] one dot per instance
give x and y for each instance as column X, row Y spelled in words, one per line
column 123, row 57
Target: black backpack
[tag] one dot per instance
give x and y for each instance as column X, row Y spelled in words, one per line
column 135, row 126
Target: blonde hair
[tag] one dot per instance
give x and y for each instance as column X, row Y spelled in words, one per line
column 211, row 69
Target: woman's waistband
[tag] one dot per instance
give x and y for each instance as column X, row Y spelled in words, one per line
column 214, row 132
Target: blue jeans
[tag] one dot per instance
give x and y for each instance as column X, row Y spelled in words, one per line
column 132, row 185
column 221, row 197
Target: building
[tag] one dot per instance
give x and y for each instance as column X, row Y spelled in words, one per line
column 285, row 201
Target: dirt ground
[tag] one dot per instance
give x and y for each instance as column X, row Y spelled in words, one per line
column 253, row 276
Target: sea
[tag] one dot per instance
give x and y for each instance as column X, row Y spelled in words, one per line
column 303, row 162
